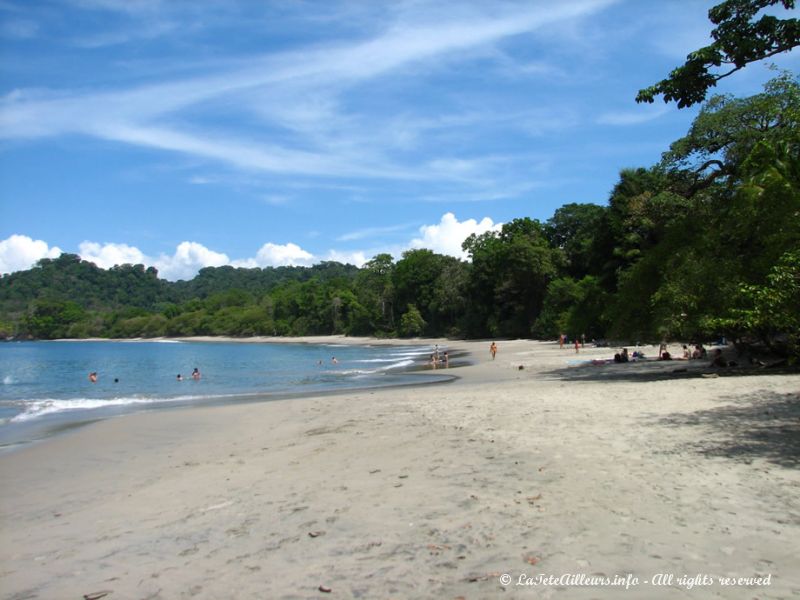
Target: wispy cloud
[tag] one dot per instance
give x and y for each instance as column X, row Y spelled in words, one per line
column 123, row 36
column 642, row 114
column 19, row 29
column 314, row 136
column 131, row 7
column 689, row 31
column 371, row 232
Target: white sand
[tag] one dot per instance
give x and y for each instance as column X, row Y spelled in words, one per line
column 424, row 492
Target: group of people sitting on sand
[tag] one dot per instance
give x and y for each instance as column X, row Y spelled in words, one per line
column 623, row 356
column 699, row 352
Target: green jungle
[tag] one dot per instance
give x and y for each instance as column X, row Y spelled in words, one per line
column 703, row 244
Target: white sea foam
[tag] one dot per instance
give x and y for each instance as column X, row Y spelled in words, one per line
column 398, row 365
column 415, row 353
column 48, row 406
column 8, row 380
column 344, row 372
column 377, row 360
column 393, row 364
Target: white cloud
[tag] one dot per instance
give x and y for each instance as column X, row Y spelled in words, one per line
column 188, row 259
column 19, row 252
column 107, row 255
column 450, row 233
column 356, row 258
column 277, row 255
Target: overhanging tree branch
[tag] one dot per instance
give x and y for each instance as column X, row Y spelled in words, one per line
column 738, row 40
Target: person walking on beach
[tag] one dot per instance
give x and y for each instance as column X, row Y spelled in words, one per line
column 577, row 345
column 493, row 350
column 561, row 339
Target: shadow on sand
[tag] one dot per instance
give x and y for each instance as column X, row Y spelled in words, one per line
column 764, row 425
column 658, row 370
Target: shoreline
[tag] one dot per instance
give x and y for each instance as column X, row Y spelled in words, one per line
column 429, row 492
column 306, row 339
column 17, row 435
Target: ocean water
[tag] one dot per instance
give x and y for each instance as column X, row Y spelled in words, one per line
column 45, row 388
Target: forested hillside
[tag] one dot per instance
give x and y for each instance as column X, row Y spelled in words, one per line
column 704, row 243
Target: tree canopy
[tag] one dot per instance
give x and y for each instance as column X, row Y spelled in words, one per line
column 743, row 34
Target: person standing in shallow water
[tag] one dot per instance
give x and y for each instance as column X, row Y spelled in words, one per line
column 493, row 350
column 196, row 374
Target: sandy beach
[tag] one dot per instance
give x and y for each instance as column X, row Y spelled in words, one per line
column 529, row 476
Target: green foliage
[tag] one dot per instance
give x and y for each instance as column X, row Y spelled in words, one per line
column 743, row 34
column 7, row 330
column 414, row 279
column 726, row 131
column 510, row 273
column 573, row 307
column 562, row 295
column 770, row 311
column 573, row 229
column 765, row 209
column 411, row 322
column 51, row 319
column 375, row 295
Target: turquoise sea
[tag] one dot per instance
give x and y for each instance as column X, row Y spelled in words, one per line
column 45, row 386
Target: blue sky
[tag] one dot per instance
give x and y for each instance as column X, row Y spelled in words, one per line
column 184, row 134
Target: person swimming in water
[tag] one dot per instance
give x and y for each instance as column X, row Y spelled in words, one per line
column 196, row 374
